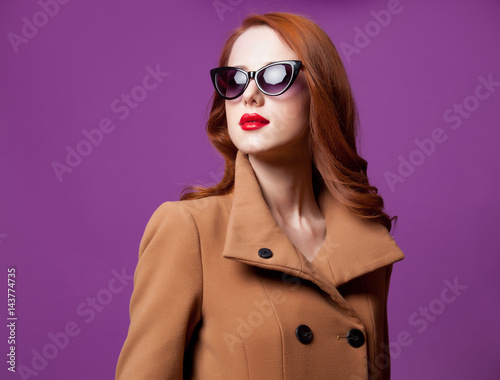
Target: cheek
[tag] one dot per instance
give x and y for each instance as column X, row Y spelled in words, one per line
column 233, row 119
column 292, row 107
column 231, row 113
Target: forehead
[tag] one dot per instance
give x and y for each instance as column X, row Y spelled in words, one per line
column 257, row 47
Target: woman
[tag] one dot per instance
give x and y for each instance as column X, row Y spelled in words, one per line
column 282, row 269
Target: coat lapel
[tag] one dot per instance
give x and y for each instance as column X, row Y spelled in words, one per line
column 353, row 246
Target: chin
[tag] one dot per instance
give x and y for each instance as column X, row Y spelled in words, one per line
column 263, row 153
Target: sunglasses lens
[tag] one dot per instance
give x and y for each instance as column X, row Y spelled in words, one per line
column 276, row 78
column 230, row 82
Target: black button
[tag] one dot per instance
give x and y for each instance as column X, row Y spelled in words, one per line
column 355, row 338
column 265, row 253
column 304, row 334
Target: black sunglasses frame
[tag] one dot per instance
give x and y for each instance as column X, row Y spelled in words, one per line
column 296, row 66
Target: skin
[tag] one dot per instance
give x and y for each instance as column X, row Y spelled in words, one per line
column 278, row 152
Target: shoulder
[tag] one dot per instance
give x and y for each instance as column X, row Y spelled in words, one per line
column 187, row 217
column 214, row 205
column 197, row 209
column 191, row 209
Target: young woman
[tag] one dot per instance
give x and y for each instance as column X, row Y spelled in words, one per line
column 280, row 271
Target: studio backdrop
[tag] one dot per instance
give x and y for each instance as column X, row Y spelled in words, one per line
column 103, row 106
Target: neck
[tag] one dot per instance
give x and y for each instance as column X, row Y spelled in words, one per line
column 286, row 185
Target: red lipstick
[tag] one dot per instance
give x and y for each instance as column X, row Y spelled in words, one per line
column 250, row 121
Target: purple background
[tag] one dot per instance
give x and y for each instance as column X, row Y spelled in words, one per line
column 65, row 237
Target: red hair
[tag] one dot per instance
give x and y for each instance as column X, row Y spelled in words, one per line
column 333, row 119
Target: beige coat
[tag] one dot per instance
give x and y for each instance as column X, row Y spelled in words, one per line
column 220, row 292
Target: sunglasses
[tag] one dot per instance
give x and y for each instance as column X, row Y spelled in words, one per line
column 273, row 79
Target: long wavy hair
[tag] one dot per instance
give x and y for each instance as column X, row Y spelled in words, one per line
column 333, row 123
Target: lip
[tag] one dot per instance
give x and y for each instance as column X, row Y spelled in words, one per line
column 251, row 121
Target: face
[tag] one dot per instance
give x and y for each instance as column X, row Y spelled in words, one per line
column 288, row 113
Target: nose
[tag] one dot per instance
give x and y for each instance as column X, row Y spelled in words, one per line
column 252, row 94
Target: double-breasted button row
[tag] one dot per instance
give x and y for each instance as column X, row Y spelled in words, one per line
column 355, row 337
column 304, row 334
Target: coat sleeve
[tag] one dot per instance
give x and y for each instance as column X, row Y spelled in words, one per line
column 166, row 301
column 387, row 371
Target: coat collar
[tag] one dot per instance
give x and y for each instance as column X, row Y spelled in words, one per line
column 353, row 246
